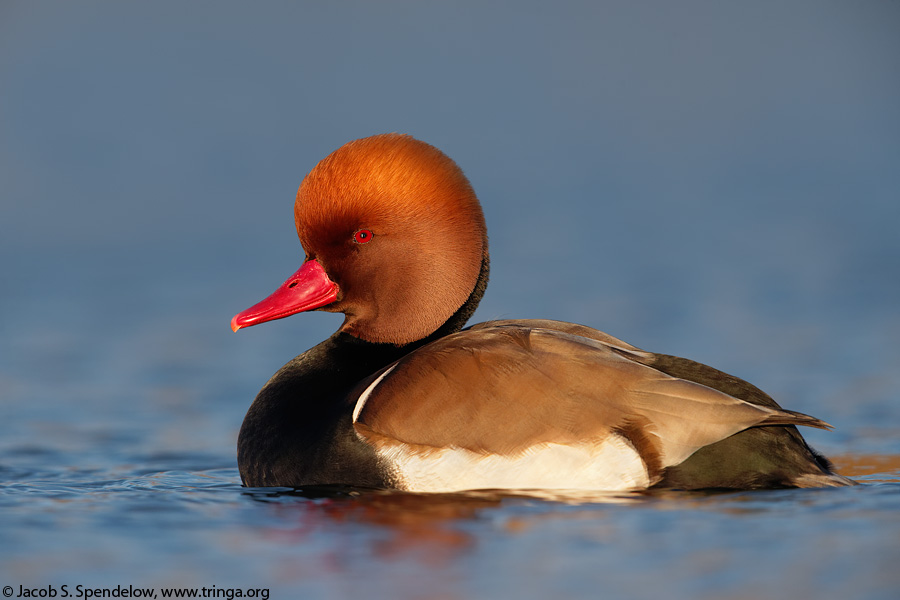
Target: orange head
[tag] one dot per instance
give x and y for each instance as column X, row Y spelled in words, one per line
column 394, row 238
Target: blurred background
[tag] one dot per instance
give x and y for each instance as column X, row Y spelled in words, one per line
column 717, row 180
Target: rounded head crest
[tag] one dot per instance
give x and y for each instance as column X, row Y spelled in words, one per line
column 397, row 226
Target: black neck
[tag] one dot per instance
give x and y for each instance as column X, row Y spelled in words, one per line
column 299, row 429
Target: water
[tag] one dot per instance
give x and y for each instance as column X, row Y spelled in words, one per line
column 199, row 528
column 117, row 467
column 721, row 188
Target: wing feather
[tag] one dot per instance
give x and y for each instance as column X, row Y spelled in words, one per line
column 503, row 388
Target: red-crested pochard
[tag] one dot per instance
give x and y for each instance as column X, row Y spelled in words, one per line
column 403, row 397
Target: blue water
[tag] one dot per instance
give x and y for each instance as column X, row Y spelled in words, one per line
column 718, row 182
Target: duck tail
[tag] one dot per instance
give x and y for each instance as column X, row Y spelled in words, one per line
column 791, row 417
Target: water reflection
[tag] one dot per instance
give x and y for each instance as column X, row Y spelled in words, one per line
column 872, row 468
column 433, row 502
column 433, row 545
column 435, row 529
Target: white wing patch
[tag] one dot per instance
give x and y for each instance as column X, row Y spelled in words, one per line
column 611, row 465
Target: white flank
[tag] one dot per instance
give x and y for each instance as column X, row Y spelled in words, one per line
column 361, row 401
column 611, row 465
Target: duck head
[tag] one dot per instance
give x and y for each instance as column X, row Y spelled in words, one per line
column 394, row 238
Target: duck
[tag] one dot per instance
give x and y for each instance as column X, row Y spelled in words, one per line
column 404, row 397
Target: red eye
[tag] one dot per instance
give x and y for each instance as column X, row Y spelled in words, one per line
column 362, row 236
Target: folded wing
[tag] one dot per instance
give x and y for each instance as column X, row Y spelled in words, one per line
column 506, row 393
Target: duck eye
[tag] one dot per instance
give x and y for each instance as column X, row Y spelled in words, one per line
column 362, row 236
